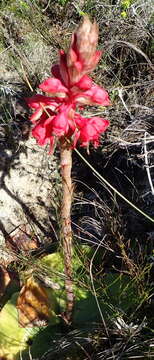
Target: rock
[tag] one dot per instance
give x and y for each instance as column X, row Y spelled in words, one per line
column 25, row 192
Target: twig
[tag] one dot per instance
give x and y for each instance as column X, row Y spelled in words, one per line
column 48, row 4
column 82, row 348
column 147, row 165
column 25, row 76
column 139, row 51
column 123, row 142
column 2, row 52
column 93, row 286
column 124, row 104
column 127, row 87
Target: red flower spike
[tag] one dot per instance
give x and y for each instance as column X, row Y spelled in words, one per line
column 55, row 116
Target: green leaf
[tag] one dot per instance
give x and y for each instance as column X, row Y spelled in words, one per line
column 13, row 338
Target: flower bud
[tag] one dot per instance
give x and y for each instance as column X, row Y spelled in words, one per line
column 82, row 56
column 87, row 39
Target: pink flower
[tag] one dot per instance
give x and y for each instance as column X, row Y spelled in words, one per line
column 60, row 122
column 54, row 116
column 42, row 132
column 89, row 129
column 41, row 104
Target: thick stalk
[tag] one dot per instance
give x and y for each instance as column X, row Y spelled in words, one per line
column 66, row 230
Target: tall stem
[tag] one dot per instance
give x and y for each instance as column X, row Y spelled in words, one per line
column 66, row 230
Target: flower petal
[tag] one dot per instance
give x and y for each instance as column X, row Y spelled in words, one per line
column 52, row 144
column 60, row 124
column 36, row 115
column 42, row 112
column 85, row 83
column 39, row 132
column 55, row 70
column 90, row 129
column 53, row 85
column 34, row 101
column 60, row 71
column 94, row 95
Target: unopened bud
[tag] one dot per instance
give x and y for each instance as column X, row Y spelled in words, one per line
column 82, row 56
column 87, row 39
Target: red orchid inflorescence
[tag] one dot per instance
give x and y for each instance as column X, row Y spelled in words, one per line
column 69, row 89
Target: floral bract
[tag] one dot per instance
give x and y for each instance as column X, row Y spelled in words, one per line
column 70, row 88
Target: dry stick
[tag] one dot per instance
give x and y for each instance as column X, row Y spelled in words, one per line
column 135, row 48
column 66, row 230
column 147, row 164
